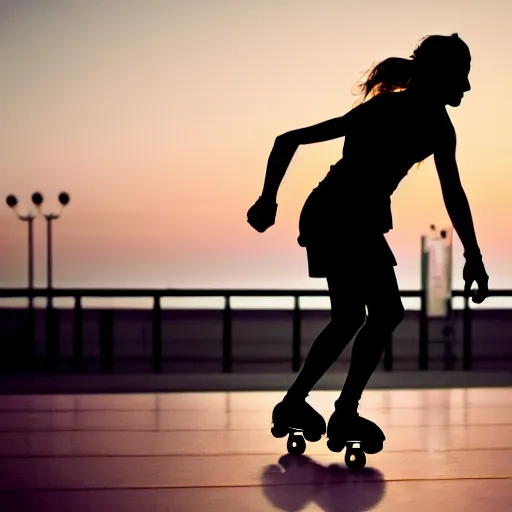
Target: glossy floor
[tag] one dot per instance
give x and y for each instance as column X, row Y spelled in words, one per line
column 445, row 450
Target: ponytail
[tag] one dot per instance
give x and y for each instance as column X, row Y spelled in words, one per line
column 392, row 74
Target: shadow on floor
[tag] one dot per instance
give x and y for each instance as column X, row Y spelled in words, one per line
column 296, row 481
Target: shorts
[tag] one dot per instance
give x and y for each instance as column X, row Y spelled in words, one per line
column 348, row 255
column 340, row 238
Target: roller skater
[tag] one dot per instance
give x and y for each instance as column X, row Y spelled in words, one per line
column 402, row 123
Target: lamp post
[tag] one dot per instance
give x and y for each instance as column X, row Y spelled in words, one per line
column 28, row 348
column 12, row 203
column 52, row 343
column 52, row 334
column 38, row 199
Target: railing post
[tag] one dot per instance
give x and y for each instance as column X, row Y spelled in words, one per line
column 423, row 335
column 157, row 335
column 48, row 337
column 466, row 336
column 107, row 340
column 78, row 336
column 296, row 340
column 30, row 346
column 227, row 357
column 52, row 335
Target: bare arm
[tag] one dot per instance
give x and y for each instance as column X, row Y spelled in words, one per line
column 287, row 144
column 454, row 196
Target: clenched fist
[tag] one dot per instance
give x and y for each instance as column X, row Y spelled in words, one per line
column 474, row 270
column 262, row 214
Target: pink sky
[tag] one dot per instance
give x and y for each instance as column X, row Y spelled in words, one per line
column 158, row 119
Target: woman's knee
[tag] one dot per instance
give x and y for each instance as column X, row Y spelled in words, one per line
column 348, row 311
column 388, row 317
column 348, row 321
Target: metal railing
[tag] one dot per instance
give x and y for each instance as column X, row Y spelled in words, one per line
column 52, row 348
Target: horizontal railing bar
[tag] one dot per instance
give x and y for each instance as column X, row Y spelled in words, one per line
column 190, row 292
column 492, row 293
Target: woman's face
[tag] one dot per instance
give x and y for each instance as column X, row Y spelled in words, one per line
column 447, row 81
column 456, row 82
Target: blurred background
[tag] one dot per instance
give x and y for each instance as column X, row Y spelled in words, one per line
column 158, row 118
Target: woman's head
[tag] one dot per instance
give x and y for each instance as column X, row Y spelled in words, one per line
column 438, row 69
column 442, row 65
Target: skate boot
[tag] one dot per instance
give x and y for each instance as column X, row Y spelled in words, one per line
column 297, row 419
column 359, row 435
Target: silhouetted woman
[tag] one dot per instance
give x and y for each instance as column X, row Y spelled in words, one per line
column 343, row 221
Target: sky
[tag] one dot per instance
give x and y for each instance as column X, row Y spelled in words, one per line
column 158, row 117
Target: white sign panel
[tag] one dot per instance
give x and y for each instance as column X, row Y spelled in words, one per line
column 438, row 262
column 437, row 285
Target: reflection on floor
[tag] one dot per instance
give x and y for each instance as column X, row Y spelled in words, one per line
column 446, row 450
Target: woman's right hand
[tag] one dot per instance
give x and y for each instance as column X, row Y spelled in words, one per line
column 474, row 270
column 262, row 214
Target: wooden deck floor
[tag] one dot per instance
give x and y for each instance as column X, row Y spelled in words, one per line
column 446, row 450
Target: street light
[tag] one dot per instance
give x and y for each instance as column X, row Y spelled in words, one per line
column 52, row 335
column 28, row 347
column 38, row 199
column 51, row 323
column 12, row 203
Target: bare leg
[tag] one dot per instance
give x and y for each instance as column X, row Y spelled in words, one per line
column 347, row 317
column 385, row 312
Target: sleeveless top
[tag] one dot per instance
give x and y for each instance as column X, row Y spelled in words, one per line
column 388, row 134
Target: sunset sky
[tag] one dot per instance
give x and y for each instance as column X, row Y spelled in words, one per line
column 158, row 117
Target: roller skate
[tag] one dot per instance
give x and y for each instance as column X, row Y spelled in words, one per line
column 355, row 433
column 299, row 421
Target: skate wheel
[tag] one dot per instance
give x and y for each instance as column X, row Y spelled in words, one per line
column 334, row 446
column 355, row 458
column 372, row 446
column 279, row 432
column 296, row 445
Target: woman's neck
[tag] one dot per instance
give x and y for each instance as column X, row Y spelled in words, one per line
column 422, row 97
